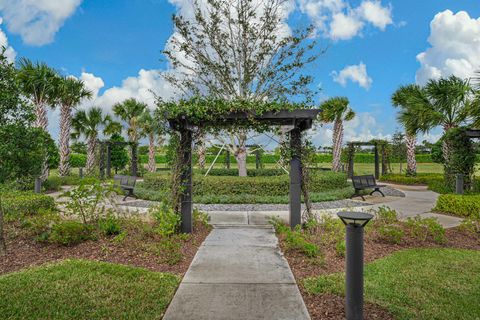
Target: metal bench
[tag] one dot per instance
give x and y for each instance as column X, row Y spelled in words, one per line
column 366, row 182
column 126, row 183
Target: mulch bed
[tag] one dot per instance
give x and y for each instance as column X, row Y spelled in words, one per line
column 23, row 251
column 327, row 306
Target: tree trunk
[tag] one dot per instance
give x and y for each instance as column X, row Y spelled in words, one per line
column 152, row 166
column 241, row 154
column 3, row 247
column 64, row 146
column 201, row 151
column 41, row 122
column 410, row 141
column 91, row 147
column 337, row 145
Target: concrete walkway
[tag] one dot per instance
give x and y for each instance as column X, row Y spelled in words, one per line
column 238, row 273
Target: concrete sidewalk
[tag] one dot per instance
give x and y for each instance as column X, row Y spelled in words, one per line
column 238, row 273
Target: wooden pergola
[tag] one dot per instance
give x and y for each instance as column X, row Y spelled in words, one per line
column 298, row 120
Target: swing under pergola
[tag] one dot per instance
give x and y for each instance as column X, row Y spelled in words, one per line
column 296, row 120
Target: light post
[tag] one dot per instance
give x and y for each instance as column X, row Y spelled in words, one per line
column 354, row 222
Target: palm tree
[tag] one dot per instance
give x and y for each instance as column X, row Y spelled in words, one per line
column 69, row 93
column 129, row 111
column 336, row 110
column 404, row 98
column 150, row 128
column 88, row 124
column 38, row 84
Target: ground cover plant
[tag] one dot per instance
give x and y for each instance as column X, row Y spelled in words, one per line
column 384, row 236
column 82, row 289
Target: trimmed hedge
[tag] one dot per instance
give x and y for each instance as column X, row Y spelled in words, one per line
column 251, row 173
column 54, row 183
column 419, row 179
column 467, row 206
column 258, row 186
column 17, row 204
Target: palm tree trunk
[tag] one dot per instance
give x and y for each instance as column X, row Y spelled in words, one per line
column 65, row 129
column 41, row 121
column 410, row 141
column 337, row 145
column 152, row 167
column 201, row 151
column 91, row 147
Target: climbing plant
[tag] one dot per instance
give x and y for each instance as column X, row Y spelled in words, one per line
column 461, row 158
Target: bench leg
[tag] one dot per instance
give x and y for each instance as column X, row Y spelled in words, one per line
column 129, row 194
column 377, row 190
column 357, row 194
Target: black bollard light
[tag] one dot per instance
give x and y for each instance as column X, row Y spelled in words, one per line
column 354, row 222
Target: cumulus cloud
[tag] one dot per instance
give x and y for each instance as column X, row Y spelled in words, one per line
column 455, row 47
column 340, row 21
column 9, row 52
column 36, row 21
column 354, row 73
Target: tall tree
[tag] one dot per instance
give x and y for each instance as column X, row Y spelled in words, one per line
column 240, row 50
column 38, row 84
column 150, row 128
column 336, row 110
column 405, row 98
column 69, row 92
column 129, row 111
column 89, row 123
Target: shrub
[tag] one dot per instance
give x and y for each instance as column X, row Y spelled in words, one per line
column 78, row 160
column 295, row 240
column 341, row 248
column 170, row 250
column 53, row 183
column 109, row 225
column 419, row 179
column 39, row 225
column 18, row 204
column 168, row 222
column 201, row 217
column 390, row 233
column 385, row 215
column 471, row 225
column 459, row 205
column 423, row 228
column 251, row 173
column 70, row 233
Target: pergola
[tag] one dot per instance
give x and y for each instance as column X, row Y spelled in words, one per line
column 297, row 120
column 106, row 157
column 351, row 154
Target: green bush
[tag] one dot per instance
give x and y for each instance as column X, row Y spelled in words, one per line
column 39, row 225
column 251, row 173
column 78, row 160
column 459, row 205
column 426, row 227
column 385, row 215
column 419, row 179
column 53, row 183
column 109, row 225
column 168, row 222
column 18, row 204
column 69, row 233
column 390, row 233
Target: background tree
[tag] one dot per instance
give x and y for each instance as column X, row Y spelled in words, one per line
column 399, row 148
column 38, row 85
column 406, row 98
column 68, row 94
column 150, row 128
column 336, row 110
column 239, row 50
column 88, row 124
column 119, row 154
column 129, row 111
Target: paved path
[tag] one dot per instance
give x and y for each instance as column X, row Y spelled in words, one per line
column 238, row 273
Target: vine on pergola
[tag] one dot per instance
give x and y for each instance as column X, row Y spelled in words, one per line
column 199, row 115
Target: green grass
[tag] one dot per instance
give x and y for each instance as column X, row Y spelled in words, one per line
column 418, row 284
column 79, row 289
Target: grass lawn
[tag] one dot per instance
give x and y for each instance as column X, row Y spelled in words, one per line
column 418, row 284
column 80, row 289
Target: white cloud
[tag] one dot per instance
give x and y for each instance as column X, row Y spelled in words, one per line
column 9, row 52
column 37, row 21
column 455, row 47
column 355, row 73
column 337, row 20
column 92, row 83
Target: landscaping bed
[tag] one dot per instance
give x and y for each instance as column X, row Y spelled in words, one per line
column 82, row 289
column 318, row 250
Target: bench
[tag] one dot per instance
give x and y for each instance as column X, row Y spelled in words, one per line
column 126, row 183
column 366, row 182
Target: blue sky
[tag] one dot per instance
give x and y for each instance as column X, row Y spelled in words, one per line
column 376, row 45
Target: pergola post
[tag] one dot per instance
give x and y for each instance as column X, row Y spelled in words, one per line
column 102, row 160
column 257, row 159
column 377, row 166
column 351, row 156
column 109, row 160
column 134, row 164
column 227, row 158
column 295, row 178
column 186, row 180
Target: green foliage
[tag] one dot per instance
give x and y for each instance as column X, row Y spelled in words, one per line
column 201, row 217
column 170, row 250
column 250, row 173
column 172, row 147
column 391, row 233
column 69, row 233
column 86, row 290
column 168, row 222
column 53, row 183
column 78, row 147
column 40, row 224
column 78, row 160
column 119, row 154
column 19, row 204
column 419, row 179
column 88, row 201
column 461, row 159
column 385, row 215
column 459, row 205
column 471, row 225
column 424, row 228
column 341, row 248
column 109, row 225
column 22, row 151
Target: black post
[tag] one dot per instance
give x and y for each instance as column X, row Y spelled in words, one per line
column 377, row 167
column 257, row 159
column 102, row 160
column 459, row 183
column 351, row 156
column 134, row 164
column 354, row 273
column 186, row 180
column 80, row 172
column 227, row 158
column 295, row 178
column 109, row 160
column 38, row 185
